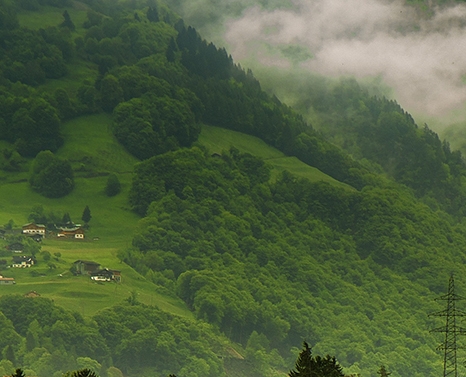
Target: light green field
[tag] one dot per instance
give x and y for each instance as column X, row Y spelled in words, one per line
column 91, row 146
column 52, row 16
column 79, row 293
column 78, row 70
column 94, row 152
column 218, row 139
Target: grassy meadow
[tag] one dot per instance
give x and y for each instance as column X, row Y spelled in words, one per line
column 94, row 153
column 218, row 139
column 79, row 293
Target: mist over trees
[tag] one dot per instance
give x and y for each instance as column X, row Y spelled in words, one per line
column 262, row 258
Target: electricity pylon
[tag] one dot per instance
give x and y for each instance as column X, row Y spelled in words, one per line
column 450, row 329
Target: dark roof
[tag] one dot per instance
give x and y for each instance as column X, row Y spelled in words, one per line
column 103, row 272
column 15, row 246
column 87, row 262
column 22, row 258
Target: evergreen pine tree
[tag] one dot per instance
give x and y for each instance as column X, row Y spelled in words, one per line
column 67, row 22
column 84, row 373
column 18, row 373
column 86, row 217
column 66, row 220
column 382, row 372
column 303, row 367
column 309, row 366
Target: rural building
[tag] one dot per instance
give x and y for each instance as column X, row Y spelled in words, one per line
column 83, row 267
column 23, row 261
column 6, row 281
column 36, row 237
column 76, row 232
column 16, row 247
column 32, row 228
column 106, row 275
column 32, row 294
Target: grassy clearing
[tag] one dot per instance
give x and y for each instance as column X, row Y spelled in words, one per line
column 94, row 152
column 91, row 146
column 51, row 16
column 79, row 293
column 78, row 70
column 218, row 139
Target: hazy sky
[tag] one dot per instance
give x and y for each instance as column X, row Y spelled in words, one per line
column 423, row 58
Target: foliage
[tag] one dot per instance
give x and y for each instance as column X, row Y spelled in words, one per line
column 65, row 340
column 265, row 262
column 249, row 255
column 308, row 365
column 378, row 130
column 51, row 176
column 113, row 185
column 86, row 216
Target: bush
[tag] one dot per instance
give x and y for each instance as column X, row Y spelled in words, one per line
column 51, row 176
column 113, row 186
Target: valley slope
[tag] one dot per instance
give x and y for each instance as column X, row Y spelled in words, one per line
column 239, row 230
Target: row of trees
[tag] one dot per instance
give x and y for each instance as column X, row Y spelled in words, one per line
column 47, row 340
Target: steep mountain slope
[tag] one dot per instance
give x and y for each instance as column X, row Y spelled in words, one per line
column 344, row 257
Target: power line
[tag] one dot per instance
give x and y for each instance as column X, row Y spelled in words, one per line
column 451, row 330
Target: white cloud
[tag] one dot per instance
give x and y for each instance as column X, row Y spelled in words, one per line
column 422, row 58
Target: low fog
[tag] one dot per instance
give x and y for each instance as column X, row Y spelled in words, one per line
column 419, row 53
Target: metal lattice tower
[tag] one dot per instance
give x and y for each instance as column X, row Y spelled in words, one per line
column 451, row 329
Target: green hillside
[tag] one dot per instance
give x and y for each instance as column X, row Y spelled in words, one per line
column 94, row 153
column 239, row 230
column 218, row 140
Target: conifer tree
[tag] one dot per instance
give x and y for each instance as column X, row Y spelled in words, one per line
column 382, row 372
column 309, row 366
column 303, row 365
column 66, row 220
column 18, row 373
column 67, row 22
column 86, row 217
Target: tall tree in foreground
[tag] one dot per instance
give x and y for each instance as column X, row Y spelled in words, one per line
column 310, row 366
column 18, row 373
column 303, row 365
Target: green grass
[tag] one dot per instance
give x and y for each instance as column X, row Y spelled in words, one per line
column 91, row 146
column 217, row 140
column 51, row 16
column 79, row 293
column 78, row 70
column 94, row 152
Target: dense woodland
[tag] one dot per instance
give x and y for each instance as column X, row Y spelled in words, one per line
column 266, row 262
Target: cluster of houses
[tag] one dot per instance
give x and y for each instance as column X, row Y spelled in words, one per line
column 80, row 267
column 85, row 267
column 38, row 231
